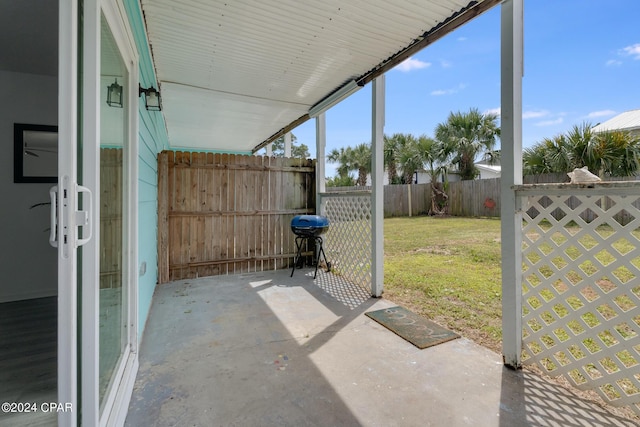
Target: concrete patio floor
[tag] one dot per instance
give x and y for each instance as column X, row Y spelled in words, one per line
column 264, row 349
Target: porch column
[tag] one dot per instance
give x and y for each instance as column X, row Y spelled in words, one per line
column 321, row 142
column 287, row 144
column 511, row 70
column 377, row 189
column 269, row 150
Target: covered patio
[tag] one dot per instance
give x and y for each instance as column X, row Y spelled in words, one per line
column 259, row 80
column 269, row 349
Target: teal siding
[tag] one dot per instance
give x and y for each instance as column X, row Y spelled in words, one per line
column 152, row 139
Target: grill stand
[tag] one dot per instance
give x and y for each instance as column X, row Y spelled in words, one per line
column 318, row 241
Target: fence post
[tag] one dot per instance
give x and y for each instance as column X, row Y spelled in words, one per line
column 163, row 217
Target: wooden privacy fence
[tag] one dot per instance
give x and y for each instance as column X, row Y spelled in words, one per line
column 399, row 200
column 473, row 198
column 225, row 213
column 481, row 197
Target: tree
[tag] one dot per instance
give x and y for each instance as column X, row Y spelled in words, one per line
column 341, row 181
column 389, row 156
column 360, row 160
column 392, row 145
column 435, row 156
column 471, row 134
column 353, row 159
column 613, row 153
column 410, row 158
column 340, row 156
column 297, row 151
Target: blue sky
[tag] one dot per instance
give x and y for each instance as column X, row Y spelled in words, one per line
column 582, row 64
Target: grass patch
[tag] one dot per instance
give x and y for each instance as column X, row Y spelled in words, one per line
column 447, row 269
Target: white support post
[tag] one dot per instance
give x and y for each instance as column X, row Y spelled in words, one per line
column 321, row 143
column 287, row 144
column 511, row 69
column 269, row 150
column 377, row 189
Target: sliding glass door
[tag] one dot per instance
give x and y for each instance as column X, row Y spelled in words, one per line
column 113, row 284
column 94, row 212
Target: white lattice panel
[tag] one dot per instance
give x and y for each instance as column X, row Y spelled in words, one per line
column 581, row 289
column 348, row 241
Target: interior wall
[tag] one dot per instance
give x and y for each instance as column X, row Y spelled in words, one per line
column 29, row 264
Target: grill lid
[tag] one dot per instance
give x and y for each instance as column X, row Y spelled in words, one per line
column 309, row 221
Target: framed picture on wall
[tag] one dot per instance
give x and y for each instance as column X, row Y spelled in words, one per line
column 35, row 153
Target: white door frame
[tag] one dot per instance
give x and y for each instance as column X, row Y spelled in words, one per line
column 116, row 403
column 67, row 170
column 70, row 232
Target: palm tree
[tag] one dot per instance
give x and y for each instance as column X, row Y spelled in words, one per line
column 340, row 156
column 612, row 153
column 401, row 150
column 551, row 155
column 410, row 157
column 471, row 134
column 360, row 160
column 622, row 154
column 435, row 156
column 390, row 157
column 353, row 159
column 341, row 181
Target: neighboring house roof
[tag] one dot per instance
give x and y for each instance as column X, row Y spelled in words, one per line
column 489, row 168
column 236, row 75
column 627, row 121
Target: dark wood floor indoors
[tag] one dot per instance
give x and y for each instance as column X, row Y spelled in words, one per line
column 28, row 359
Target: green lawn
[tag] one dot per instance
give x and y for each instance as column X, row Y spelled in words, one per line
column 447, row 269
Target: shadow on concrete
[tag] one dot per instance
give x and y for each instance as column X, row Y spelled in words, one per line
column 529, row 400
column 265, row 349
column 237, row 351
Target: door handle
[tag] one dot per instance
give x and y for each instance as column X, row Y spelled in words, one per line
column 53, row 230
column 83, row 218
column 68, row 217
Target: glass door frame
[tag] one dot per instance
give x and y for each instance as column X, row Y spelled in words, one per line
column 75, row 219
column 67, row 172
column 114, row 409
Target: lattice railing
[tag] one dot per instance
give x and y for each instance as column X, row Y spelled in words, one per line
column 348, row 241
column 581, row 286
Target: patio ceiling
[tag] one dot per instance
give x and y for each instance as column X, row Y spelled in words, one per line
column 235, row 75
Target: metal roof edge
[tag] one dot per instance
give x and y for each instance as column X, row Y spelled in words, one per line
column 472, row 10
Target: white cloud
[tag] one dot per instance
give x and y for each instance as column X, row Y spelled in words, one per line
column 411, row 64
column 462, row 38
column 534, row 114
column 557, row 121
column 445, row 64
column 633, row 50
column 602, row 113
column 440, row 92
column 495, row 111
column 613, row 63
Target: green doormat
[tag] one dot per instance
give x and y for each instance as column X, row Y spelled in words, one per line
column 417, row 330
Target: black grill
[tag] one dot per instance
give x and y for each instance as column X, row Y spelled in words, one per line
column 309, row 227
